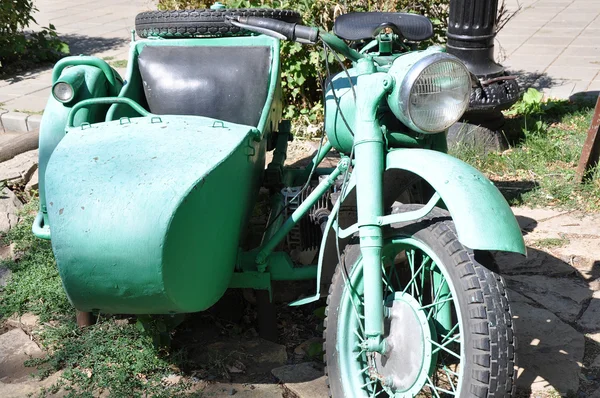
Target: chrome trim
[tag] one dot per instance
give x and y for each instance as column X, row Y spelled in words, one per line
column 411, row 77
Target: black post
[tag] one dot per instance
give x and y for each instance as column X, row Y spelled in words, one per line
column 471, row 34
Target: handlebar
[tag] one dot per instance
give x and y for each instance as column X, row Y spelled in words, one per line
column 295, row 32
column 279, row 29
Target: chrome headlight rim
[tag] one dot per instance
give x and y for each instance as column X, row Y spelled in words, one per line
column 411, row 77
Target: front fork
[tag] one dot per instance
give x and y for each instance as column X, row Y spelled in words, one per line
column 370, row 153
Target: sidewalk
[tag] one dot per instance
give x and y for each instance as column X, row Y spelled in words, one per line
column 90, row 27
column 553, row 45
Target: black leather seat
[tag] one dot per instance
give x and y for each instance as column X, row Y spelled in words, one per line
column 365, row 25
column 224, row 83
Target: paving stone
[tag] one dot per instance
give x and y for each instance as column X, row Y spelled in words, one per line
column 563, row 296
column 33, row 122
column 14, row 121
column 33, row 182
column 26, row 321
column 19, row 169
column 590, row 320
column 528, row 218
column 9, row 206
column 549, row 351
column 5, row 274
column 31, row 387
column 238, row 390
column 582, row 254
column 515, row 297
column 15, row 348
column 537, row 261
column 575, row 223
column 306, row 380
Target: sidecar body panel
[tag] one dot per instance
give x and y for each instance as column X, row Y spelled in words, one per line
column 146, row 216
column 480, row 213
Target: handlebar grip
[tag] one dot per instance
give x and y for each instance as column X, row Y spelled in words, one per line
column 284, row 28
column 289, row 31
column 306, row 34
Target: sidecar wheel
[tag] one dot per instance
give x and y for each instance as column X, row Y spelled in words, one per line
column 202, row 22
column 448, row 324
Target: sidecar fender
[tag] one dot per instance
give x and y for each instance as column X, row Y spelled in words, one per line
column 483, row 218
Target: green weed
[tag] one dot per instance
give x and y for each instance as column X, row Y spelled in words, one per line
column 117, row 356
column 539, row 170
column 549, row 243
column 120, row 63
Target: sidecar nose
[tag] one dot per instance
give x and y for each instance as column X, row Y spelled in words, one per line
column 146, row 217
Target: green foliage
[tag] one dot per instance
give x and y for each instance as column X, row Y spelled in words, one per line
column 117, row 356
column 303, row 66
column 15, row 45
column 540, row 169
column 35, row 286
column 114, row 357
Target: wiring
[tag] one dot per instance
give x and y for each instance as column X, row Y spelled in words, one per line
column 341, row 260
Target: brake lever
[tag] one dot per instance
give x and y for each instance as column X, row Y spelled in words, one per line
column 235, row 21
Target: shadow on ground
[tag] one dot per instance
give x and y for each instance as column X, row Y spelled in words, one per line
column 81, row 44
column 556, row 318
column 78, row 45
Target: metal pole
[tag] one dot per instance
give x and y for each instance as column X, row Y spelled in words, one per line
column 590, row 154
column 84, row 319
column 471, row 35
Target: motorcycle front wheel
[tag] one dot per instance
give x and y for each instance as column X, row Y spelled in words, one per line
column 448, row 325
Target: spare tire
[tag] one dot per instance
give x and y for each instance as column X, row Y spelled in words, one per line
column 203, row 22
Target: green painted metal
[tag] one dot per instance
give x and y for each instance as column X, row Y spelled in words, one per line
column 340, row 46
column 268, row 246
column 392, row 218
column 329, row 228
column 54, row 120
column 106, row 101
column 369, row 150
column 109, row 73
column 144, row 218
column 483, row 219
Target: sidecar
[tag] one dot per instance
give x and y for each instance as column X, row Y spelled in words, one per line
column 147, row 182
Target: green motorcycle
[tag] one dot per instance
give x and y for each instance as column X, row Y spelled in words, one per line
column 147, row 184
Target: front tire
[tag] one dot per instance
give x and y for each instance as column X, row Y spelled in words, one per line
column 448, row 321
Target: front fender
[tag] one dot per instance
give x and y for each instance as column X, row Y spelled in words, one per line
column 483, row 218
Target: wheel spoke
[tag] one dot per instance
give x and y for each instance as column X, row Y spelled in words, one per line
column 452, row 340
column 447, row 371
column 359, row 336
column 412, row 279
column 436, row 303
column 445, row 336
column 432, row 387
column 439, row 346
column 385, row 280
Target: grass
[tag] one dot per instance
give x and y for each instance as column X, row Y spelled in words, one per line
column 539, row 170
column 29, row 111
column 121, row 63
column 117, row 356
column 550, row 243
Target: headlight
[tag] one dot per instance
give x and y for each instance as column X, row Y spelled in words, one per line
column 433, row 93
column 63, row 92
column 65, row 88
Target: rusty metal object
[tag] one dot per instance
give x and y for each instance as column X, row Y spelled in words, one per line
column 84, row 319
column 591, row 148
